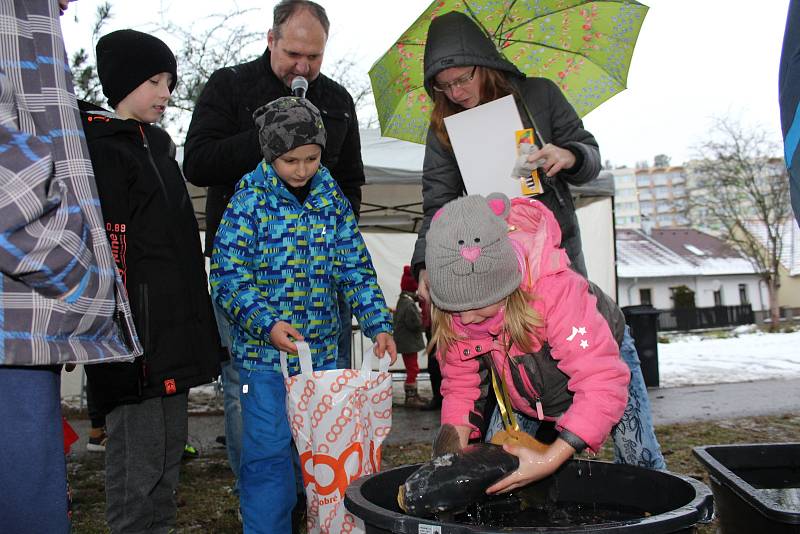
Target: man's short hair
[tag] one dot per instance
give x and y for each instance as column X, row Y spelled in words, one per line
column 286, row 8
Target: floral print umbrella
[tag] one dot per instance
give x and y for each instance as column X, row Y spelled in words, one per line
column 583, row 46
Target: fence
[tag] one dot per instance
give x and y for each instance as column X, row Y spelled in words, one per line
column 699, row 318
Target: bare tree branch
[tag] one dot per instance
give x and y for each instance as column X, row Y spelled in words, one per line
column 344, row 72
column 207, row 45
column 739, row 193
column 84, row 71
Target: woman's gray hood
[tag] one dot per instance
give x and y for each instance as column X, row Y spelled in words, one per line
column 455, row 40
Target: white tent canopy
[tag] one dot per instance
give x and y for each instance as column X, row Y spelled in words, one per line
column 391, row 210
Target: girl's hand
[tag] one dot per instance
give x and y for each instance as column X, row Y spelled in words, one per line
column 533, row 465
column 552, row 159
column 283, row 335
column 384, row 342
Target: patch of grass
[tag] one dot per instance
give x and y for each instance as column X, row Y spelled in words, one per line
column 207, row 505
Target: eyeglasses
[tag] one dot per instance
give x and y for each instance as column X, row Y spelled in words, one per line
column 457, row 83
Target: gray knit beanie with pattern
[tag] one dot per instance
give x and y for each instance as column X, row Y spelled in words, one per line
column 287, row 123
column 469, row 257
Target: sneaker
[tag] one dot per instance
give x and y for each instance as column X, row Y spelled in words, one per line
column 97, row 444
column 189, row 452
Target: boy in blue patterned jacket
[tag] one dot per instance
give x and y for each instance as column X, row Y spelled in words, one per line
column 287, row 239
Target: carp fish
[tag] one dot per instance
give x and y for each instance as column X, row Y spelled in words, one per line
column 454, row 477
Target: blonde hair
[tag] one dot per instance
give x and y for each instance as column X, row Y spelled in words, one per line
column 520, row 323
column 493, row 85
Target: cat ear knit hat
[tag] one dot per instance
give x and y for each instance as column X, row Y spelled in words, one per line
column 287, row 123
column 470, row 260
column 126, row 58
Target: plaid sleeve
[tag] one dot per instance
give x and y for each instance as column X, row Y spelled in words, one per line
column 44, row 240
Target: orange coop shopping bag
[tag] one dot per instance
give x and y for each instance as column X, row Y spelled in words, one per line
column 339, row 419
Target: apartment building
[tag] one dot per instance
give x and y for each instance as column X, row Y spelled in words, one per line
column 650, row 198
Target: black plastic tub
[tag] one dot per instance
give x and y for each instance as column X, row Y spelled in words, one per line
column 673, row 503
column 756, row 486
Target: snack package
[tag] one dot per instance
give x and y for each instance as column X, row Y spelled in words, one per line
column 525, row 172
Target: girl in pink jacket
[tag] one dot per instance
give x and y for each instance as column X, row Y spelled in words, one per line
column 506, row 301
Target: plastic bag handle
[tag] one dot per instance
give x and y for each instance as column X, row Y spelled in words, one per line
column 304, row 354
column 306, row 367
column 366, row 363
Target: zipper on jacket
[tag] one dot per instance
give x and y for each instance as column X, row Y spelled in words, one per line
column 153, row 164
column 549, row 181
column 539, row 410
column 537, row 398
column 144, row 307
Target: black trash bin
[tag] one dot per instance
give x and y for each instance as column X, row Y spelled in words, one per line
column 669, row 503
column 756, row 486
column 643, row 322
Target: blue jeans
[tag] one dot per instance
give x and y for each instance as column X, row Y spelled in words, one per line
column 634, row 437
column 230, row 397
column 344, row 358
column 269, row 472
column 33, row 470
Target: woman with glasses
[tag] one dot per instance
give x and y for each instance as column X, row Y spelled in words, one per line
column 463, row 69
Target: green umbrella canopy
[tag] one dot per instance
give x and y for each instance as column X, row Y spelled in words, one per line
column 585, row 47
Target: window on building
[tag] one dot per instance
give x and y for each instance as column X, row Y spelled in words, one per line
column 645, row 296
column 718, row 297
column 743, row 298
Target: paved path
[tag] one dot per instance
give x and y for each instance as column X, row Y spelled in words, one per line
column 670, row 405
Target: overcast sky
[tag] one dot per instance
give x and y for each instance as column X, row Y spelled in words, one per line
column 695, row 59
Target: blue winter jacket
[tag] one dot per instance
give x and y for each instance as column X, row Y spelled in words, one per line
column 275, row 259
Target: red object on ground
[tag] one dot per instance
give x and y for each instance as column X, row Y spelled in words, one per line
column 70, row 436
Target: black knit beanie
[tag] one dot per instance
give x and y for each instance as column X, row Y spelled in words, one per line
column 126, row 58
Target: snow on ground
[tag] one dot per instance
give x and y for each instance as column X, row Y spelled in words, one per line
column 694, row 360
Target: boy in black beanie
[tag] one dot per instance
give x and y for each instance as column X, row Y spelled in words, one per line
column 156, row 246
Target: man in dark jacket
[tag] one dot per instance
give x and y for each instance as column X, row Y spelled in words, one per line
column 222, row 143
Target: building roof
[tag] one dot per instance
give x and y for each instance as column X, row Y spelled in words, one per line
column 790, row 253
column 675, row 252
